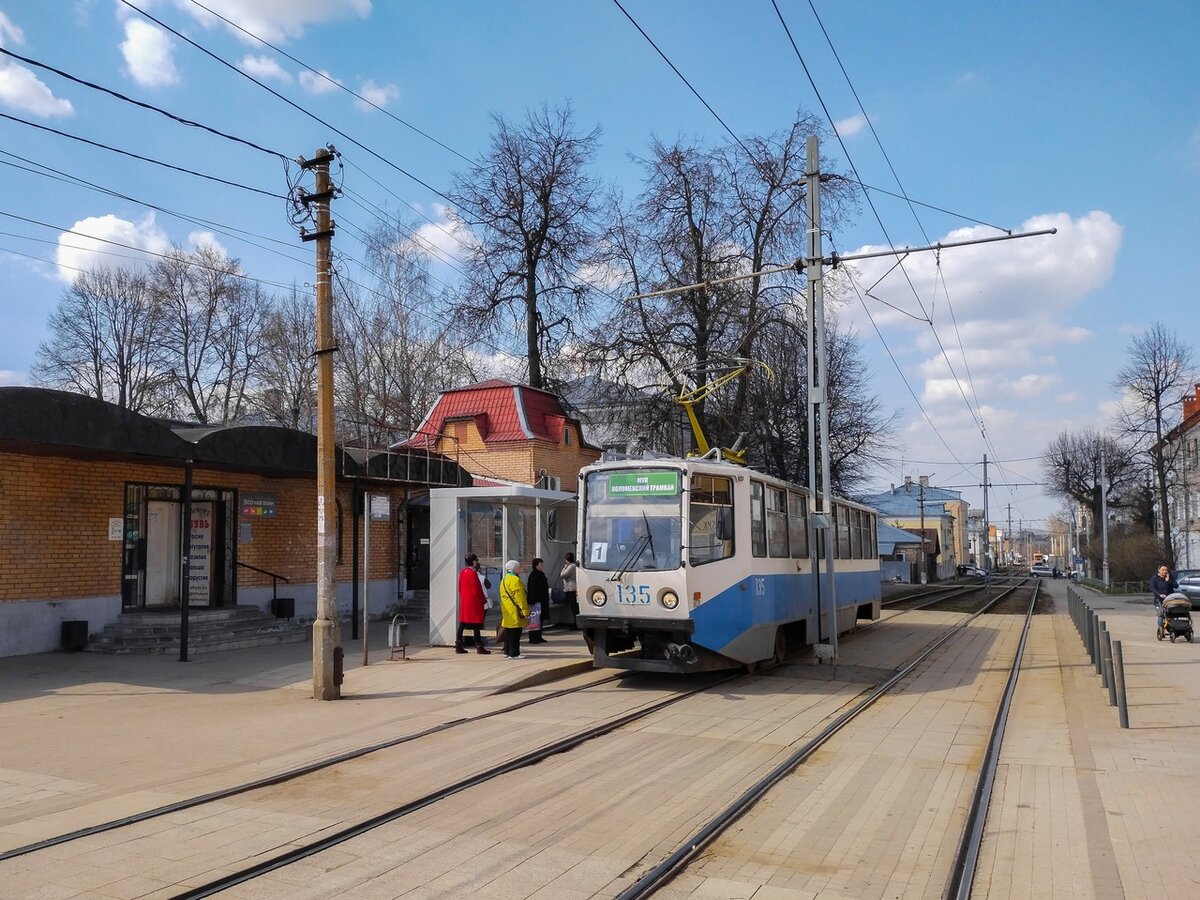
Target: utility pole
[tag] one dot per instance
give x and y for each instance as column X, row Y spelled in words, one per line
column 923, row 575
column 327, row 647
column 1009, row 533
column 987, row 528
column 818, row 408
column 1104, row 509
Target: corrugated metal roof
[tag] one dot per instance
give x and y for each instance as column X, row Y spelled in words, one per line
column 502, row 410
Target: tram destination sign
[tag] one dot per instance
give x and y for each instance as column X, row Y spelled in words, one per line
column 643, row 484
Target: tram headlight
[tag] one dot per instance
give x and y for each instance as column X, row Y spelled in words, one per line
column 598, row 597
column 669, row 599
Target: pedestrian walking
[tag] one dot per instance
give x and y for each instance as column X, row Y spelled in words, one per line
column 1162, row 584
column 570, row 592
column 471, row 602
column 514, row 609
column 539, row 600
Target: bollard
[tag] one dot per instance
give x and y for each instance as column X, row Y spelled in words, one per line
column 1096, row 643
column 1108, row 669
column 1101, row 637
column 1119, row 670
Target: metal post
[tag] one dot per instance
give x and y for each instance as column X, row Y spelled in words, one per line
column 818, row 381
column 1096, row 643
column 185, row 561
column 1104, row 509
column 1119, row 669
column 1101, row 639
column 326, row 639
column 366, row 572
column 357, row 508
column 1108, row 669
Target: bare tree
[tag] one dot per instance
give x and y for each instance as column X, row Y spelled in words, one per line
column 529, row 203
column 212, row 330
column 103, row 340
column 398, row 348
column 1159, row 372
column 286, row 392
column 1072, row 467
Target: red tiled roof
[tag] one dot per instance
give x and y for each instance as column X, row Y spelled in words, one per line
column 502, row 410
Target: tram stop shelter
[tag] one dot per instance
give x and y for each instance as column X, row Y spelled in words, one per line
column 498, row 523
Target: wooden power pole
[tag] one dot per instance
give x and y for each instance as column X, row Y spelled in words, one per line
column 327, row 647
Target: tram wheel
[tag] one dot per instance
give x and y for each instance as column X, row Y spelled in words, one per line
column 780, row 646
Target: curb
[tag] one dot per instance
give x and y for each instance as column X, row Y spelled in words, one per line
column 544, row 676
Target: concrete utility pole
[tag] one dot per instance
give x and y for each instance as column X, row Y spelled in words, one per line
column 923, row 575
column 987, row 529
column 818, row 408
column 327, row 648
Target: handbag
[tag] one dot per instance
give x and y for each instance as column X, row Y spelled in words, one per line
column 500, row 631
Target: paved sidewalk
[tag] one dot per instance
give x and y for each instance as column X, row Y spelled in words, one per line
column 1083, row 808
column 90, row 737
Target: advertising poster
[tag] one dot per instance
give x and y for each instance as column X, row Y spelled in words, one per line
column 200, row 555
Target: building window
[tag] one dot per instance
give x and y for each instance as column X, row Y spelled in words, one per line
column 567, row 435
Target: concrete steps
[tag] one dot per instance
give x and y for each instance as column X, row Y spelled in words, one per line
column 209, row 630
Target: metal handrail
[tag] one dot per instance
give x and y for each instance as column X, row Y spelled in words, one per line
column 274, row 577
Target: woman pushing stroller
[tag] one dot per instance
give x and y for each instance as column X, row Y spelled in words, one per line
column 1161, row 585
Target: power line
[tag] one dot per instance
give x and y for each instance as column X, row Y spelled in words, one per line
column 332, row 81
column 227, row 230
column 288, row 101
column 162, row 112
column 143, row 250
column 138, row 156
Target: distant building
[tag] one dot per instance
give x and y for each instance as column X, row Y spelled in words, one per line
column 623, row 420
column 507, row 433
column 944, row 514
column 1183, row 500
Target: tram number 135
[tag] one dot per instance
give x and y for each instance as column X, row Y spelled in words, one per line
column 633, row 595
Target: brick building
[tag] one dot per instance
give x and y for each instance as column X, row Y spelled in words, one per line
column 91, row 515
column 507, row 432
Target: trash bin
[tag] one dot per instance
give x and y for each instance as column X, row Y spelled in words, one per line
column 283, row 607
column 74, row 634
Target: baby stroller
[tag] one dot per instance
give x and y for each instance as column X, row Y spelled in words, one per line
column 1176, row 618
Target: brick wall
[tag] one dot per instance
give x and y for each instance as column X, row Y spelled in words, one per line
column 54, row 514
column 518, row 461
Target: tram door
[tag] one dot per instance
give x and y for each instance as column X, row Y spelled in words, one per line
column 418, row 548
column 162, row 553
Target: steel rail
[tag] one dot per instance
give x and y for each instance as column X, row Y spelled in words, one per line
column 673, row 864
column 520, row 762
column 967, row 857
column 288, row 775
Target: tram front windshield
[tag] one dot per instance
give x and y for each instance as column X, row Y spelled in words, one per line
column 633, row 520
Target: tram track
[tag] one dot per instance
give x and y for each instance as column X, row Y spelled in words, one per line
column 329, row 842
column 960, row 877
column 296, row 851
column 291, row 774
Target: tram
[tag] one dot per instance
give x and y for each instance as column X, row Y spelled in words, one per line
column 695, row 564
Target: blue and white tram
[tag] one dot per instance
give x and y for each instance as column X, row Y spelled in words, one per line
column 695, row 564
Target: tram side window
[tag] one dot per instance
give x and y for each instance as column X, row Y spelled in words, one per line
column 843, row 532
column 710, row 511
column 798, row 525
column 758, row 520
column 873, row 534
column 777, row 524
column 856, row 536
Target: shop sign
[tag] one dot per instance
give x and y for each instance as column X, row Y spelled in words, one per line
column 259, row 505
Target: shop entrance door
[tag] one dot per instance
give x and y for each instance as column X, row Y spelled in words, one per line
column 162, row 553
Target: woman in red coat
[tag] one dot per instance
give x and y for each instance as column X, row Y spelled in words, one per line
column 470, row 605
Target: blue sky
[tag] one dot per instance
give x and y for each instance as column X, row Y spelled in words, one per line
column 1080, row 115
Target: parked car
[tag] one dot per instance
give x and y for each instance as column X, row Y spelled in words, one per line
column 1189, row 584
column 1041, row 570
column 969, row 571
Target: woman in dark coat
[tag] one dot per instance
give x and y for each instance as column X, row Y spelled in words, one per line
column 470, row 605
column 539, row 601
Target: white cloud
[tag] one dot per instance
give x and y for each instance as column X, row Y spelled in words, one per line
column 19, row 87
column 378, row 94
column 850, row 126
column 966, row 78
column 445, row 239
column 88, row 244
column 274, row 20
column 316, row 84
column 199, row 238
column 9, row 30
column 265, row 67
column 9, row 378
column 147, row 51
